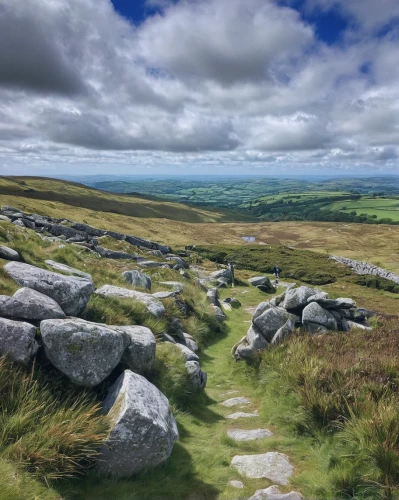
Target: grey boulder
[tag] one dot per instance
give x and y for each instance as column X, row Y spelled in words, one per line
column 250, row 346
column 137, row 278
column 284, row 332
column 85, row 352
column 8, row 253
column 198, row 378
column 71, row 271
column 270, row 321
column 314, row 314
column 212, row 295
column 143, row 429
column 261, row 281
column 30, row 305
column 153, row 306
column 219, row 314
column 139, row 355
column 221, row 273
column 187, row 353
column 298, row 297
column 71, row 292
column 17, row 340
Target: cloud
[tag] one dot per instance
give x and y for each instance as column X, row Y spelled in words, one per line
column 207, row 84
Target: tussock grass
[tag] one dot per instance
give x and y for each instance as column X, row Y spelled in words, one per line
column 48, row 431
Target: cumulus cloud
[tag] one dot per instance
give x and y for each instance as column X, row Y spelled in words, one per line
column 200, row 82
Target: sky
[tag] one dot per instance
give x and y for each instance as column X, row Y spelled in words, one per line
column 145, row 87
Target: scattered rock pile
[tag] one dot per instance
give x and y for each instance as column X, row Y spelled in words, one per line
column 302, row 307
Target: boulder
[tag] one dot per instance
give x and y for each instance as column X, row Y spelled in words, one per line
column 183, row 264
column 31, row 305
column 150, row 263
column 188, row 354
column 221, row 273
column 113, row 254
column 9, row 254
column 143, row 429
column 298, row 297
column 250, row 346
column 314, row 314
column 168, row 338
column 262, row 307
column 28, row 223
column 19, row 223
column 165, row 295
column 137, row 278
column 341, row 303
column 191, row 343
column 284, row 332
column 260, row 280
column 71, row 271
column 17, row 340
column 269, row 322
column 220, row 316
column 153, row 306
column 71, row 292
column 212, row 295
column 198, row 378
column 4, row 218
column 139, row 355
column 7, row 208
column 353, row 324
column 85, row 352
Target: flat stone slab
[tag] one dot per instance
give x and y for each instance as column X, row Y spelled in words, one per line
column 248, row 435
column 236, row 484
column 273, row 493
column 273, row 466
column 242, row 414
column 236, row 401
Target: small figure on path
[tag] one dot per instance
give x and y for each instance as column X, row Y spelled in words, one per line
column 276, row 272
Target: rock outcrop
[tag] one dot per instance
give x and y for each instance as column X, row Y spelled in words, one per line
column 154, row 306
column 136, row 278
column 303, row 307
column 28, row 304
column 70, row 292
column 143, row 429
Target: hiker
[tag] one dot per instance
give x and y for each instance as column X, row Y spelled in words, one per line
column 275, row 284
column 230, row 266
column 276, row 271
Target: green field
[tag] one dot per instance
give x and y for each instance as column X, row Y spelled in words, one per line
column 378, row 207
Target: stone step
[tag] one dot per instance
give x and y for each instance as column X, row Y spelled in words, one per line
column 236, row 401
column 248, row 435
column 272, row 465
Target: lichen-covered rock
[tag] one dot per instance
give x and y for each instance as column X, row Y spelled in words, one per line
column 85, row 352
column 274, row 466
column 188, row 354
column 139, row 355
column 270, row 321
column 197, row 376
column 31, row 305
column 284, row 332
column 71, row 292
column 250, row 346
column 143, row 429
column 8, row 253
column 219, row 314
column 298, row 297
column 154, row 306
column 221, row 273
column 17, row 340
column 212, row 295
column 314, row 314
column 71, row 271
column 136, row 278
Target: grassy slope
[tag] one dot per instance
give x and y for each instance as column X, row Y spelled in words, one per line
column 377, row 244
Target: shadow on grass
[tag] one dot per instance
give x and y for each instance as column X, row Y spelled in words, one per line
column 176, row 479
column 199, row 409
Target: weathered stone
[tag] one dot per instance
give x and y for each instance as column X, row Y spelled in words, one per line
column 168, row 338
column 242, row 414
column 112, row 254
column 150, row 263
column 139, row 355
column 71, row 292
column 31, row 305
column 326, row 303
column 220, row 316
column 262, row 282
column 165, row 295
column 71, row 271
column 317, row 297
column 273, row 466
column 284, row 332
column 8, row 253
column 236, row 401
column 269, row 322
column 250, row 345
column 188, row 354
column 262, row 307
column 153, row 306
column 315, row 314
column 179, row 261
column 4, row 218
column 236, row 484
column 85, row 352
column 143, row 429
column 212, row 295
column 248, row 435
column 353, row 324
column 197, row 376
column 7, row 208
column 225, row 273
column 19, row 223
column 273, row 493
column 191, row 344
column 137, row 278
column 17, row 340
column 298, row 297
